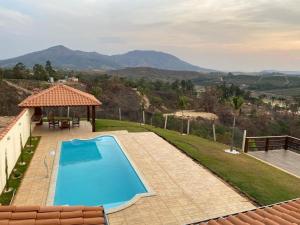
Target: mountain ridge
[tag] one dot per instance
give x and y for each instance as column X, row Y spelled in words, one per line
column 66, row 58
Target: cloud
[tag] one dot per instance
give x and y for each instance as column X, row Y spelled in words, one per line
column 206, row 32
column 13, row 21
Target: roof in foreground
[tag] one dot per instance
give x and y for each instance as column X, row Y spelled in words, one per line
column 60, row 95
column 286, row 213
column 51, row 215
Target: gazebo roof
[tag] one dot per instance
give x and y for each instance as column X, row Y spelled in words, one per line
column 60, row 95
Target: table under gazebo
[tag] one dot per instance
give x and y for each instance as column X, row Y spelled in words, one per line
column 59, row 96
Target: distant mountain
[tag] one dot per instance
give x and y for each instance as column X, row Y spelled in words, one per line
column 166, row 75
column 276, row 72
column 62, row 57
column 159, row 60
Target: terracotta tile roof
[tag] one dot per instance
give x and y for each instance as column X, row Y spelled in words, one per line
column 5, row 121
column 285, row 213
column 12, row 122
column 51, row 215
column 60, row 95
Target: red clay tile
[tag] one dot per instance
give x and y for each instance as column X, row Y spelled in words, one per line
column 7, row 208
column 47, row 222
column 73, row 214
column 95, row 221
column 26, row 208
column 286, row 213
column 48, row 215
column 23, row 215
column 91, row 214
column 5, row 215
column 60, row 95
column 50, row 209
column 73, row 221
column 22, row 222
column 51, row 215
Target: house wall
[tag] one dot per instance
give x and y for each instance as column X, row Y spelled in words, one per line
column 10, row 142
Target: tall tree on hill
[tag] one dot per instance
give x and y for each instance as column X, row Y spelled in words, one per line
column 237, row 103
column 182, row 104
column 49, row 69
column 190, row 86
column 20, row 71
column 39, row 72
column 210, row 98
column 183, row 85
column 175, row 85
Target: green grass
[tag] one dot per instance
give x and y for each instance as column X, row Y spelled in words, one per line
column 262, row 183
column 5, row 198
column 111, row 125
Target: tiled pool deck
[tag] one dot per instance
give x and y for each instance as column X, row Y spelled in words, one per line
column 185, row 191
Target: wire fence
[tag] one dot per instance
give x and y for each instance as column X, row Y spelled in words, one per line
column 195, row 126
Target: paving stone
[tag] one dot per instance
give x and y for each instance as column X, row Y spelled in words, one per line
column 184, row 191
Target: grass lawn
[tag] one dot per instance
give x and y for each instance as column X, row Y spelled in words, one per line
column 259, row 181
column 13, row 182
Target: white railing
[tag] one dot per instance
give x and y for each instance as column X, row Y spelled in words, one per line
column 10, row 143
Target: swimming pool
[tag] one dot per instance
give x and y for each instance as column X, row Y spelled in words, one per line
column 96, row 172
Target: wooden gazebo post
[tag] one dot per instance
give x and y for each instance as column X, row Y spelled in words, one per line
column 88, row 113
column 94, row 118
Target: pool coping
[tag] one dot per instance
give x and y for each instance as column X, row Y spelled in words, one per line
column 54, row 173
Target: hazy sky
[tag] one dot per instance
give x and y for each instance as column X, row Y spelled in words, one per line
column 246, row 35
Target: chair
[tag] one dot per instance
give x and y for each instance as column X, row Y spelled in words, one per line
column 75, row 121
column 65, row 124
column 52, row 122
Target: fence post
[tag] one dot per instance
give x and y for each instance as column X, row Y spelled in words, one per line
column 286, row 143
column 214, row 132
column 143, row 117
column 188, row 127
column 166, row 121
column 120, row 114
column 267, row 144
column 244, row 142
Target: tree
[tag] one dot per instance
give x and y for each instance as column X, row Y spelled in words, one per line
column 183, row 85
column 39, row 72
column 236, row 103
column 97, row 91
column 182, row 104
column 1, row 74
column 209, row 99
column 143, row 102
column 294, row 107
column 20, row 71
column 175, row 85
column 190, row 86
column 48, row 67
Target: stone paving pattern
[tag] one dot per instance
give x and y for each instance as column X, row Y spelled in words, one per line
column 184, row 190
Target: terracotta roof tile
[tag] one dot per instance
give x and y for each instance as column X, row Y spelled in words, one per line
column 60, row 95
column 51, row 215
column 285, row 213
column 12, row 122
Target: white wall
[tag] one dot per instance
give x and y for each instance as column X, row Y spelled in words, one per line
column 10, row 142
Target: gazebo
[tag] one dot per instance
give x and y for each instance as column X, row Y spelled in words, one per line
column 61, row 95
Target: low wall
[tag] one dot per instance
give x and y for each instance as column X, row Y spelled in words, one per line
column 10, row 142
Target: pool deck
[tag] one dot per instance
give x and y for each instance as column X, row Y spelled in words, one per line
column 184, row 191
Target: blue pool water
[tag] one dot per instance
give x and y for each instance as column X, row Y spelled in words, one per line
column 95, row 172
